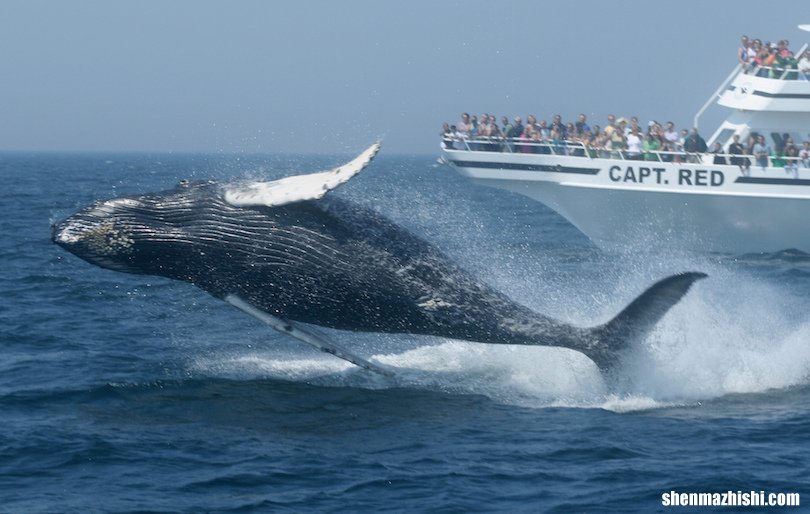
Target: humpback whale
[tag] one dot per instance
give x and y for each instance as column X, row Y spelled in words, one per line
column 291, row 255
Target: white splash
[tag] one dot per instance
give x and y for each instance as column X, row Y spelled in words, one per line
column 718, row 341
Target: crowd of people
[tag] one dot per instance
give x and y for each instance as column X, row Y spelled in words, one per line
column 657, row 142
column 772, row 60
column 619, row 139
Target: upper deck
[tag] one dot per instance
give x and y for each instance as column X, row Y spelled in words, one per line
column 767, row 89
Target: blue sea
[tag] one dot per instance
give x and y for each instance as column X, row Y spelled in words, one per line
column 124, row 393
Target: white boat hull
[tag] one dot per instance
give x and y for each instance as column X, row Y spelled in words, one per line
column 697, row 206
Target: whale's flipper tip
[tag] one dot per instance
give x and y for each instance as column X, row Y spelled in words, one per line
column 293, row 329
column 639, row 318
column 299, row 188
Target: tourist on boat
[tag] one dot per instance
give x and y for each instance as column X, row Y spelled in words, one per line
column 782, row 49
column 544, row 132
column 753, row 50
column 544, row 129
column 589, row 140
column 482, row 127
column 581, row 124
column 742, row 53
column 670, row 134
column 473, row 133
column 557, row 142
column 669, row 142
column 804, row 155
column 570, row 131
column 531, row 120
column 601, row 143
column 679, row 144
column 448, row 133
column 785, row 61
column 681, row 140
column 736, row 148
column 634, row 144
column 655, row 128
column 465, row 125
column 778, row 159
column 761, row 151
column 750, row 142
column 489, row 130
column 529, row 135
column 633, row 126
column 651, row 146
column 558, row 125
column 516, row 129
column 617, row 139
column 694, row 143
column 611, row 126
column 538, row 145
column 769, row 62
column 506, row 127
column 719, row 158
column 791, row 154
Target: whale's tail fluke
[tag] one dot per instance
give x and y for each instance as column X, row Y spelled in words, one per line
column 637, row 319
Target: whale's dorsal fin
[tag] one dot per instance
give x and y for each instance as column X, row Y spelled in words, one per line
column 299, row 187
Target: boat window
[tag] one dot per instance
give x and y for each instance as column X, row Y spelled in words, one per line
column 724, row 136
column 780, row 139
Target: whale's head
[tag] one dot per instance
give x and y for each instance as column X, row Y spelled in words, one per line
column 198, row 230
column 146, row 234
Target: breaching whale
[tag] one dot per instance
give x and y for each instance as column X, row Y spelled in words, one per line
column 289, row 254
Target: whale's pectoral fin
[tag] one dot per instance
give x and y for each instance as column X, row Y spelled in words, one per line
column 299, row 187
column 297, row 331
column 638, row 318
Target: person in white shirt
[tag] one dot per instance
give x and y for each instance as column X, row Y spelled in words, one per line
column 671, row 139
column 804, row 155
column 634, row 143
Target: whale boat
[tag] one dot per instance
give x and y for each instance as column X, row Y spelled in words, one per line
column 674, row 199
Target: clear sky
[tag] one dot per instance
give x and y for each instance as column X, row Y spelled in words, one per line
column 333, row 76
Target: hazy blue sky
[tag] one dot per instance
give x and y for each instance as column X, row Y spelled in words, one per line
column 332, row 76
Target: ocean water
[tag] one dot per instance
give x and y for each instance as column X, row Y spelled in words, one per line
column 123, row 393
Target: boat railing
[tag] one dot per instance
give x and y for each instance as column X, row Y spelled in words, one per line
column 776, row 72
column 562, row 148
column 580, row 149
